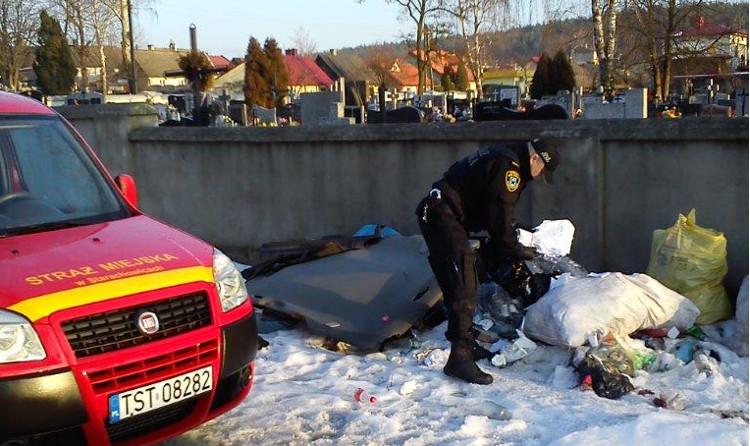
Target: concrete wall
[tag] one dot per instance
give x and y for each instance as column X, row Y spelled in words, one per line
column 106, row 128
column 619, row 180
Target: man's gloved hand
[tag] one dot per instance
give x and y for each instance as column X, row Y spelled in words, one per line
column 520, row 225
column 526, row 253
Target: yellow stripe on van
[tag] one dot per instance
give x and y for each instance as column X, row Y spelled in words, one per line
column 41, row 306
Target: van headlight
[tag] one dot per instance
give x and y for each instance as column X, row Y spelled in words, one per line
column 229, row 282
column 18, row 339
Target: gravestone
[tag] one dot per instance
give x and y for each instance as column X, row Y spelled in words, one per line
column 629, row 104
column 264, row 115
column 741, row 103
column 407, row 114
column 498, row 111
column 563, row 98
column 238, row 112
column 323, row 108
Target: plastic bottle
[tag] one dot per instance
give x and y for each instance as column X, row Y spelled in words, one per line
column 696, row 332
column 361, row 396
column 678, row 401
column 491, row 410
column 703, row 362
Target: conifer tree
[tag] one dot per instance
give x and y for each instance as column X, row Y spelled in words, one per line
column 256, row 74
column 565, row 77
column 446, row 81
column 278, row 80
column 54, row 66
column 462, row 78
column 540, row 81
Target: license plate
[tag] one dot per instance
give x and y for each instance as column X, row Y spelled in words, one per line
column 163, row 393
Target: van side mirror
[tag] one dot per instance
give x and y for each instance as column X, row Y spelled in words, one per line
column 126, row 183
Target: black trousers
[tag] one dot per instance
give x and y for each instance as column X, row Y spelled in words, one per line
column 453, row 262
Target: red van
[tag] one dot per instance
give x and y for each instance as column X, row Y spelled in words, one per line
column 115, row 329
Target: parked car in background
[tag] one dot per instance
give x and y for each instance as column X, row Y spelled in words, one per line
column 114, row 328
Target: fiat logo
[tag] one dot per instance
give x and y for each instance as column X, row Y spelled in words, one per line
column 148, row 323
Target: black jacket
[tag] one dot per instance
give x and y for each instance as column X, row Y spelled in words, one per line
column 483, row 188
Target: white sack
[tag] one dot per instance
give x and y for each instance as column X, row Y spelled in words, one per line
column 611, row 303
column 551, row 237
column 739, row 345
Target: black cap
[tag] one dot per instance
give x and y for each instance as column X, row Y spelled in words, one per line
column 547, row 150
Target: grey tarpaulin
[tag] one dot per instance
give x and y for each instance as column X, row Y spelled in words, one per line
column 361, row 297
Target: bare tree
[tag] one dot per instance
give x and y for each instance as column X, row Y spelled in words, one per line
column 434, row 32
column 76, row 23
column 102, row 19
column 303, row 43
column 604, row 16
column 653, row 29
column 477, row 19
column 418, row 11
column 18, row 25
column 379, row 59
column 121, row 10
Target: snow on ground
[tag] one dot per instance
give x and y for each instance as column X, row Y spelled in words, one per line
column 303, row 395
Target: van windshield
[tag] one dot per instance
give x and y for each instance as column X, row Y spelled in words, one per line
column 48, row 180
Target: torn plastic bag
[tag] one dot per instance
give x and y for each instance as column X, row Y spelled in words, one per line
column 505, row 312
column 552, row 237
column 609, row 365
column 528, row 280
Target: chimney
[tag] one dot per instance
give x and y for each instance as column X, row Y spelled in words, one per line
column 291, row 52
column 150, row 46
column 334, row 52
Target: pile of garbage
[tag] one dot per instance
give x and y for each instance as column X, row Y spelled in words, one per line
column 616, row 324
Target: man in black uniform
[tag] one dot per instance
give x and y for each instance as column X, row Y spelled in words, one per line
column 477, row 193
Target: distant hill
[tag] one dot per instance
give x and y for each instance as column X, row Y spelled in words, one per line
column 519, row 45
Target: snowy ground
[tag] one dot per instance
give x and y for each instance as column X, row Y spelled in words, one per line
column 303, row 395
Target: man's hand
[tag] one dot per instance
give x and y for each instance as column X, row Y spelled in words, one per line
column 519, row 225
column 526, row 254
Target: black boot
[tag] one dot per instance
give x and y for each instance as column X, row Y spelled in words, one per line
column 461, row 365
column 478, row 352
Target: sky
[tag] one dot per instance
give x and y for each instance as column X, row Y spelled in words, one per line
column 225, row 26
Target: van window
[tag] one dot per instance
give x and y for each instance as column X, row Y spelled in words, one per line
column 47, row 176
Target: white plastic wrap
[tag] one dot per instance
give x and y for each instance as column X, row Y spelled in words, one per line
column 551, row 237
column 611, row 303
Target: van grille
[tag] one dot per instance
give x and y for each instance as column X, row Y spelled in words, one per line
column 153, row 369
column 116, row 330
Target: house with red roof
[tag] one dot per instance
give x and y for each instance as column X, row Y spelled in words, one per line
column 305, row 76
column 404, row 75
column 710, row 56
column 709, row 48
column 439, row 62
column 219, row 62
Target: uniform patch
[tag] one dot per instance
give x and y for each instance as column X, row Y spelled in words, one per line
column 512, row 180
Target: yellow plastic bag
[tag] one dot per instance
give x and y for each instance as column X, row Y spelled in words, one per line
column 692, row 261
